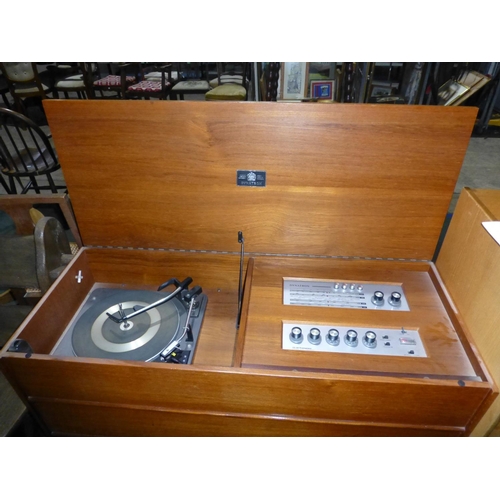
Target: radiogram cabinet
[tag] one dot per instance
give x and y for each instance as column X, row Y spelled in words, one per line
column 339, row 207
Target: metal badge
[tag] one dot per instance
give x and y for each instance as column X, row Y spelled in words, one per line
column 251, row 178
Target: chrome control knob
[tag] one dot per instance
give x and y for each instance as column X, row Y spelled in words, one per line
column 370, row 339
column 314, row 336
column 344, row 287
column 378, row 298
column 395, row 299
column 296, row 335
column 332, row 337
column 351, row 338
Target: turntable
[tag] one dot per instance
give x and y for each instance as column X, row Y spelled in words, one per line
column 327, row 317
column 138, row 325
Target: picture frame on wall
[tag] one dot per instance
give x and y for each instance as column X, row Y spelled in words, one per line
column 293, row 81
column 323, row 90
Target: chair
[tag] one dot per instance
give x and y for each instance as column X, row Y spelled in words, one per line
column 194, row 81
column 116, row 83
column 4, row 184
column 4, row 89
column 155, row 75
column 228, row 73
column 26, row 153
column 232, row 83
column 77, row 78
column 23, row 81
column 155, row 84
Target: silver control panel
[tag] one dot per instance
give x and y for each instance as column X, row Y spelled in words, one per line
column 352, row 340
column 347, row 294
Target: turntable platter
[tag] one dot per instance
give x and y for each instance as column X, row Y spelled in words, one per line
column 141, row 338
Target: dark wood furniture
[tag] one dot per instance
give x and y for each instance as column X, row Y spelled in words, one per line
column 23, row 81
column 357, row 191
column 18, row 207
column 231, row 83
column 4, row 90
column 127, row 74
column 193, row 81
column 158, row 85
column 73, row 78
column 26, row 153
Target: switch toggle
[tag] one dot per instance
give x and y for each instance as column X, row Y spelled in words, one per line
column 407, row 341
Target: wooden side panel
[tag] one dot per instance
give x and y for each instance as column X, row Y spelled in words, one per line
column 70, row 418
column 469, row 264
column 286, row 395
column 363, row 180
column 45, row 324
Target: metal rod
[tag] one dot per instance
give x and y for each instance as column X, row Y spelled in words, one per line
column 241, row 241
column 146, row 308
column 175, row 342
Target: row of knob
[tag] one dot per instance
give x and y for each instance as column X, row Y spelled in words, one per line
column 345, row 286
column 333, row 337
column 377, row 298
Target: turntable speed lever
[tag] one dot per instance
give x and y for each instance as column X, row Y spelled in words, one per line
column 180, row 287
column 177, row 283
column 196, row 290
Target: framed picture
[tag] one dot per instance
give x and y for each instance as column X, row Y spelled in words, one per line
column 450, row 92
column 293, row 80
column 322, row 89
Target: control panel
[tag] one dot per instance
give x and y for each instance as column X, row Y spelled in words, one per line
column 352, row 339
column 348, row 294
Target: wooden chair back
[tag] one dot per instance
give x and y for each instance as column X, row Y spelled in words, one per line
column 25, row 150
column 23, row 81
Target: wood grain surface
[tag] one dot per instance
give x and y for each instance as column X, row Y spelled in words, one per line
column 217, row 274
column 232, row 391
column 263, row 334
column 469, row 264
column 358, row 180
column 160, row 177
column 72, row 418
column 251, row 401
column 44, row 325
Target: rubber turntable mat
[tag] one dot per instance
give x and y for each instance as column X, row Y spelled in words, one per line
column 97, row 336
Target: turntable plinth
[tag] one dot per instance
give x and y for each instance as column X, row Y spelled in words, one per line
column 352, row 193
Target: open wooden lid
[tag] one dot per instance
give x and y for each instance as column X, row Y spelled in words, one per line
column 366, row 180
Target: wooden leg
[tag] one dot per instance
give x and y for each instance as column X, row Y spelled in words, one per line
column 51, row 183
column 8, row 189
column 6, row 101
column 35, row 186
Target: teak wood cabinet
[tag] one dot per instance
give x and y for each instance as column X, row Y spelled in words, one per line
column 352, row 193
